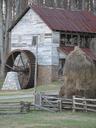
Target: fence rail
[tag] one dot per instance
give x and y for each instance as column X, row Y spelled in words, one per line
column 6, row 107
column 51, row 103
column 54, row 102
column 84, row 104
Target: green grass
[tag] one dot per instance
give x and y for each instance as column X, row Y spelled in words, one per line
column 55, row 86
column 41, row 119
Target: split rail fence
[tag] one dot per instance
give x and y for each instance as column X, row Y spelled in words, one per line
column 14, row 107
column 8, row 106
column 84, row 104
column 55, row 103
column 52, row 103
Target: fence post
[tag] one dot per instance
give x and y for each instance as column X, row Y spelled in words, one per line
column 27, row 106
column 85, row 104
column 60, row 105
column 21, row 106
column 73, row 103
column 38, row 99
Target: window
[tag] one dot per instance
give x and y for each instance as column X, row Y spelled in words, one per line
column 34, row 40
column 67, row 40
column 75, row 39
column 48, row 35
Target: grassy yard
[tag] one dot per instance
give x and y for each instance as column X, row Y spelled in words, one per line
column 55, row 86
column 42, row 119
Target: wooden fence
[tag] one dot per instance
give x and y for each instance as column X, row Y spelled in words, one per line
column 55, row 103
column 52, row 103
column 14, row 107
column 84, row 104
column 10, row 104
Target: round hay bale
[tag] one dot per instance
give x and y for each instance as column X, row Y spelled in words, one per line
column 79, row 75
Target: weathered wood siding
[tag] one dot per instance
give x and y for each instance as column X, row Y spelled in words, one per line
column 55, row 45
column 32, row 25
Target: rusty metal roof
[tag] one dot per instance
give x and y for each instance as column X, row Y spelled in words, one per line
column 68, row 49
column 65, row 20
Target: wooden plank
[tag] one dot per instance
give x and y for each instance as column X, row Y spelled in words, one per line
column 50, row 98
column 93, row 100
column 42, row 108
column 66, row 102
column 65, row 99
column 78, row 108
column 91, row 110
column 73, row 102
column 48, row 105
column 82, row 104
column 10, row 106
column 91, row 105
column 79, row 99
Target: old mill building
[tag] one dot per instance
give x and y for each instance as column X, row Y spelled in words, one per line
column 50, row 34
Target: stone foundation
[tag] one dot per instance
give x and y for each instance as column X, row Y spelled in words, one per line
column 54, row 72
column 11, row 82
column 1, row 73
column 44, row 74
column 47, row 74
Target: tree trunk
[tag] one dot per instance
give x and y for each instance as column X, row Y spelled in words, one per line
column 1, row 40
column 7, row 25
column 20, row 6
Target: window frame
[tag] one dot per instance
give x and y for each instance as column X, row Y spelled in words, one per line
column 34, row 40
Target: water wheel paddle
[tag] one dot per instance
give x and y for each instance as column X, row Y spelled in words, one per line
column 22, row 62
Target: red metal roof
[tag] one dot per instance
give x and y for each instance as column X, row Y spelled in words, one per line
column 88, row 52
column 65, row 20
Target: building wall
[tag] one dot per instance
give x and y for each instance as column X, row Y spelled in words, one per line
column 44, row 74
column 32, row 25
column 55, row 55
column 48, row 41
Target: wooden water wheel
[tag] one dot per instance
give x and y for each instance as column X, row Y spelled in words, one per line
column 22, row 62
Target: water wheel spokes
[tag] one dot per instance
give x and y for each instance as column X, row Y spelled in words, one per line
column 22, row 62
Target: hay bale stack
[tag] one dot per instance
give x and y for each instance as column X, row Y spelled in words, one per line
column 79, row 75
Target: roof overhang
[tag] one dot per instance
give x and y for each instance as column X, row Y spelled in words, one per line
column 63, row 20
column 67, row 50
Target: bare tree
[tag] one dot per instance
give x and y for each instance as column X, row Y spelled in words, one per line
column 20, row 6
column 94, row 6
column 9, row 11
column 76, row 4
column 14, row 9
column 8, row 22
column 89, row 5
column 1, row 37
